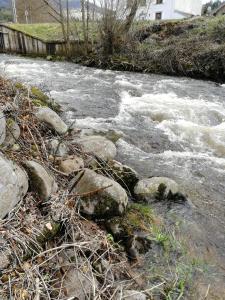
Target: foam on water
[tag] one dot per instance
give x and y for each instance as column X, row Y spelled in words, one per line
column 196, row 123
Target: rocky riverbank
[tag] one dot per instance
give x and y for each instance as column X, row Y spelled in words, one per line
column 71, row 215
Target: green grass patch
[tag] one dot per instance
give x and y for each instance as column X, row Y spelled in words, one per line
column 53, row 31
column 45, row 31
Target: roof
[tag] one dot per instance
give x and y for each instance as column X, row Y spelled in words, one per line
column 216, row 10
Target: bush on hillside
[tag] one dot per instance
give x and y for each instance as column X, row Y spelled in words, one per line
column 216, row 28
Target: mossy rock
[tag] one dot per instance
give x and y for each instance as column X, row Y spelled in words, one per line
column 49, row 231
column 124, row 175
column 39, row 103
column 134, row 229
column 38, row 94
column 40, row 99
column 138, row 218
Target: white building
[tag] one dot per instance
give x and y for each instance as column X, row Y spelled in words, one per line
column 168, row 9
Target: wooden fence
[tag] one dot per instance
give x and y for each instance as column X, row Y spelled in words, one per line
column 15, row 41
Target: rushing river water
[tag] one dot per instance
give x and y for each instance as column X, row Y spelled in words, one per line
column 172, row 127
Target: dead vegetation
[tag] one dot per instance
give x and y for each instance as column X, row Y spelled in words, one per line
column 41, row 242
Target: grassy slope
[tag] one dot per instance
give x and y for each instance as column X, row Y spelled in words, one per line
column 193, row 47
column 46, row 31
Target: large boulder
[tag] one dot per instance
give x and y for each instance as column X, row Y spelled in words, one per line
column 41, row 180
column 98, row 146
column 124, row 175
column 155, row 188
column 48, row 116
column 2, row 128
column 71, row 165
column 100, row 196
column 13, row 186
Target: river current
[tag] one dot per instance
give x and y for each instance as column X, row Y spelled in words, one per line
column 172, row 127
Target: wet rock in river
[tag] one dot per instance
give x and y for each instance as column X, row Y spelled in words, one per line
column 41, row 180
column 98, row 146
column 13, row 186
column 52, row 119
column 155, row 188
column 102, row 197
column 109, row 134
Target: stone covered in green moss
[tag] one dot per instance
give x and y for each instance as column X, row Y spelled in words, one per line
column 100, row 196
column 138, row 217
column 133, row 229
column 124, row 175
column 40, row 99
column 38, row 94
column 39, row 103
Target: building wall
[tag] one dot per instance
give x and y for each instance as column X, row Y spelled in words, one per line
column 33, row 11
column 191, row 7
column 169, row 9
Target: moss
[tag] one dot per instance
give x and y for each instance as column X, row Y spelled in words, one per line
column 42, row 100
column 20, row 86
column 106, row 208
column 137, row 218
column 39, row 103
column 38, row 94
column 48, row 233
column 10, row 122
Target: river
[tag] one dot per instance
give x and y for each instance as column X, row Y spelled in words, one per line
column 172, row 127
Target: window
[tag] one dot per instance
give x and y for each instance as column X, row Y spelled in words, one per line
column 159, row 1
column 158, row 16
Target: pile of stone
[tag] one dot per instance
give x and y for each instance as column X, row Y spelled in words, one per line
column 81, row 167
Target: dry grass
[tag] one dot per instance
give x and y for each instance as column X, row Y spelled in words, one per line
column 42, row 242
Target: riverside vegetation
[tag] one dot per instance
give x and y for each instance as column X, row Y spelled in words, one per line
column 75, row 223
column 193, row 47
